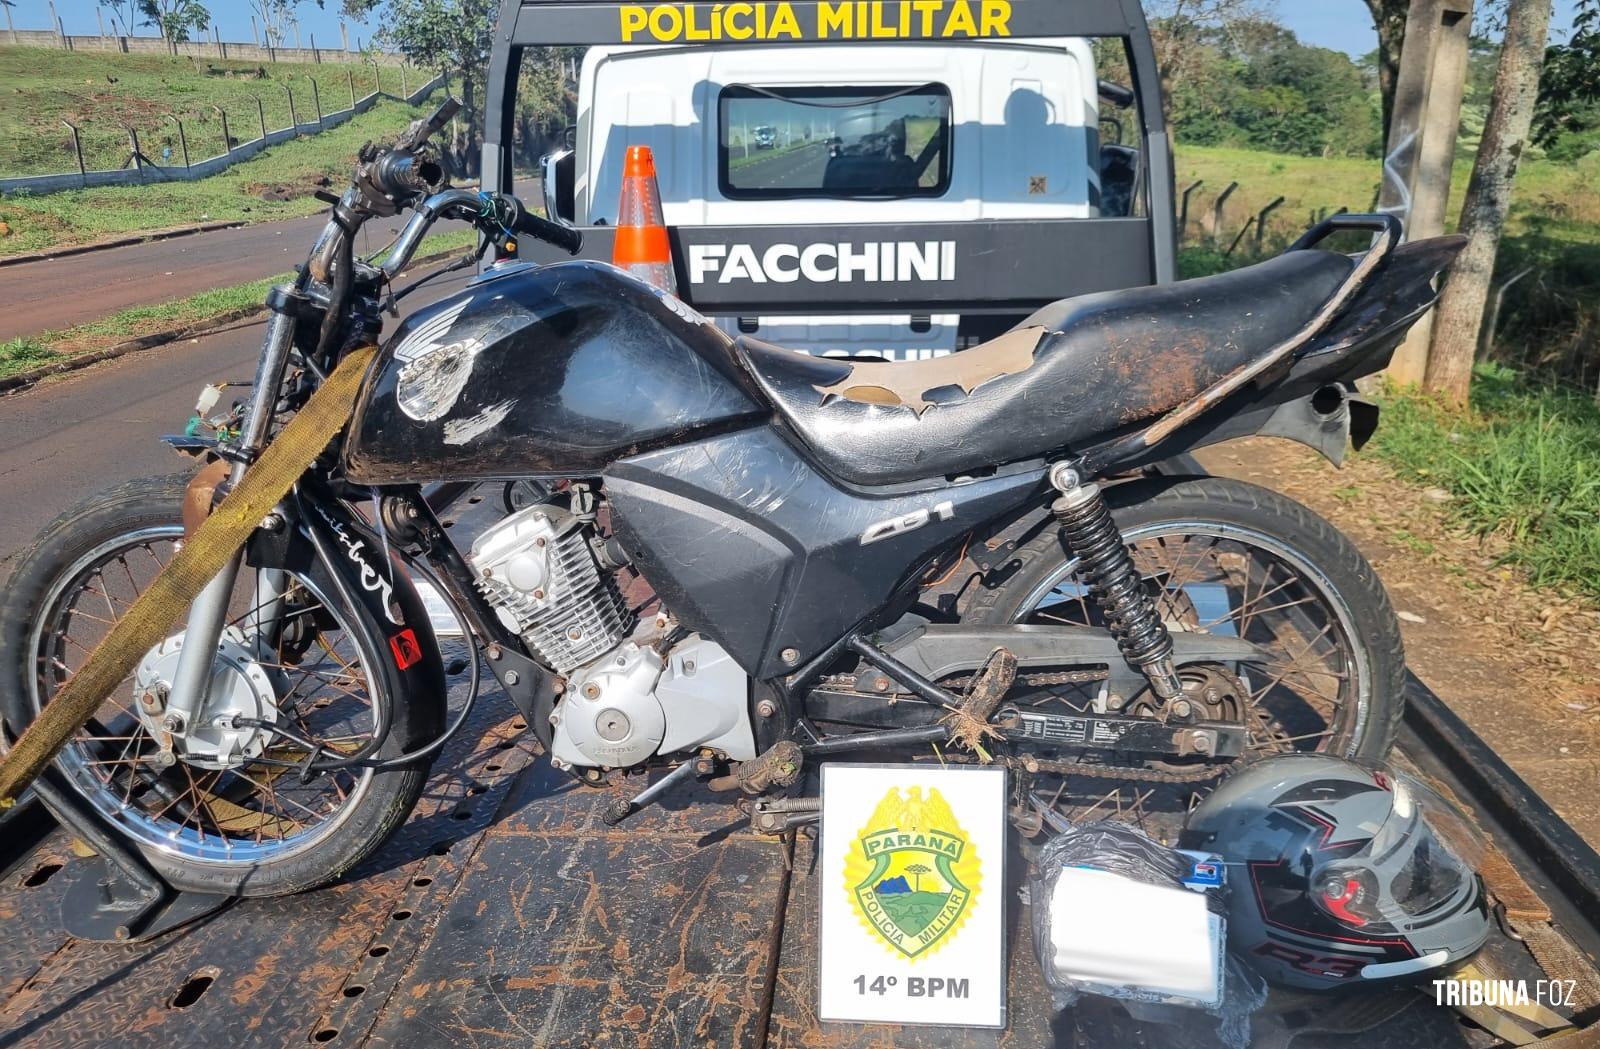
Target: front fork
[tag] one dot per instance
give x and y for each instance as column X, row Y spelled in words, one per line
column 208, row 615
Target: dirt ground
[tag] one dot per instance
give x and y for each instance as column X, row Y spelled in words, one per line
column 1521, row 666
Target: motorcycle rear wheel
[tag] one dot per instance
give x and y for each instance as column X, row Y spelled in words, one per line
column 1222, row 555
column 254, row 831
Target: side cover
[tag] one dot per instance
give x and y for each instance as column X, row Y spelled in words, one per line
column 749, row 545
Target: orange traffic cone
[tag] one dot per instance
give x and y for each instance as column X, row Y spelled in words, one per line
column 642, row 247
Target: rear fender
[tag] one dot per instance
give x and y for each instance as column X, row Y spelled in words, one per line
column 1332, row 420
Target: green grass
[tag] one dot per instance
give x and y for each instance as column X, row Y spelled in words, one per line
column 1561, row 200
column 1524, row 464
column 275, row 184
column 20, row 355
column 102, row 92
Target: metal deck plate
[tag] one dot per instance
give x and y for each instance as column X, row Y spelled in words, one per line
column 507, row 913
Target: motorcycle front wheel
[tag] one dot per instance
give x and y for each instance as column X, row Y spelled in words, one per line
column 238, row 819
column 1222, row 556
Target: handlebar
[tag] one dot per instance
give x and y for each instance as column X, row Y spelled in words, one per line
column 470, row 201
column 567, row 238
column 403, row 174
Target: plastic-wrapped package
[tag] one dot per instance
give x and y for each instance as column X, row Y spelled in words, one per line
column 1114, row 915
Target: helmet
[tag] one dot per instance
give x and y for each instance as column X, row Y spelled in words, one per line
column 1342, row 875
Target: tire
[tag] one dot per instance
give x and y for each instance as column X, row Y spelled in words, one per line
column 373, row 815
column 1351, row 589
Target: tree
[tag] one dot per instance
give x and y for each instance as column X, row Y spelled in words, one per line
column 1567, row 122
column 1177, row 27
column 1389, row 19
column 1483, row 216
column 123, row 15
column 276, row 17
column 917, row 870
column 175, row 19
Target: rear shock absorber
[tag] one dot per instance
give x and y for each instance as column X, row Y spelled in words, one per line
column 1106, row 568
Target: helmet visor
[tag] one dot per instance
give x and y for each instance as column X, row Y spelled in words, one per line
column 1412, row 867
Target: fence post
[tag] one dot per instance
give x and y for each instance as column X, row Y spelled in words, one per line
column 316, row 99
column 1183, row 217
column 261, row 115
column 405, row 92
column 77, row 149
column 133, row 144
column 216, row 36
column 1261, row 221
column 1217, row 210
column 316, row 56
column 294, row 118
column 350, row 75
column 227, row 139
column 1491, row 326
column 1240, row 238
column 183, row 140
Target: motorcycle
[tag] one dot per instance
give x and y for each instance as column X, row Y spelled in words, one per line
column 844, row 559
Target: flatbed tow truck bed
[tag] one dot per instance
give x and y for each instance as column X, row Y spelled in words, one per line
column 507, row 913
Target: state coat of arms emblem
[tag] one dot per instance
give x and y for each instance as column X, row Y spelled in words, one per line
column 912, row 874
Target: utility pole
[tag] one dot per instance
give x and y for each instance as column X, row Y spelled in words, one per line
column 1422, row 143
column 1488, row 203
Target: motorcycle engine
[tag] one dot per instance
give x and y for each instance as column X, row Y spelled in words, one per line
column 625, row 701
column 537, row 568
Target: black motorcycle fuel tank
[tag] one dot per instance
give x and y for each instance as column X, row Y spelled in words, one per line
column 557, row 370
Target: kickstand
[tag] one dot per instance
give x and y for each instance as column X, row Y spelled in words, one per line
column 115, row 895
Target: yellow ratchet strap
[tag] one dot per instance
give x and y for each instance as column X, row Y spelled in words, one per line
column 147, row 621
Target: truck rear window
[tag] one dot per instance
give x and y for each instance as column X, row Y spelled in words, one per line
column 870, row 142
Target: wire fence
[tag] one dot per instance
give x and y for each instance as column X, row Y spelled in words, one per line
column 169, row 147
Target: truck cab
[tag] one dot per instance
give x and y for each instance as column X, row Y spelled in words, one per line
column 763, row 136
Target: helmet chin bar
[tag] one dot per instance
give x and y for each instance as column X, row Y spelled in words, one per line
column 240, row 688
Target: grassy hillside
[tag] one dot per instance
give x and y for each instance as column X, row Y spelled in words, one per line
column 40, row 88
column 1560, row 200
column 273, row 185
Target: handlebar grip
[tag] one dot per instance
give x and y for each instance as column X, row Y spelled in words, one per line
column 402, row 174
column 566, row 238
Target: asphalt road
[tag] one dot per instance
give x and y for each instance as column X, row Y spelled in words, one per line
column 58, row 293
column 800, row 169
column 93, row 429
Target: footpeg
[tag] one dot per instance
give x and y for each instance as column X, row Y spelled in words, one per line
column 778, row 766
column 969, row 723
column 622, row 808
